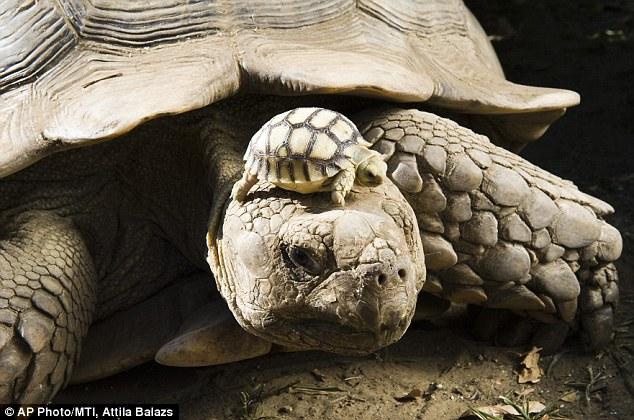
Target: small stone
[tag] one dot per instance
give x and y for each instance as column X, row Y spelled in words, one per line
column 574, row 226
column 556, row 279
column 481, row 229
column 462, row 174
column 434, row 160
column 540, row 238
column 480, row 158
column 411, row 144
column 551, row 253
column 504, row 186
column 461, row 274
column 513, row 229
column 404, row 172
column 439, row 254
column 458, row 207
column 538, row 209
column 504, row 263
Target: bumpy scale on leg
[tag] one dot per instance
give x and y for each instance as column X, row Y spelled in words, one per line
column 241, row 188
column 47, row 294
column 497, row 230
column 341, row 186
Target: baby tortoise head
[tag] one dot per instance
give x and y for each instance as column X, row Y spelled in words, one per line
column 299, row 272
column 308, row 150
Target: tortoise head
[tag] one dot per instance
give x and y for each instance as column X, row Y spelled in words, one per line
column 371, row 171
column 298, row 272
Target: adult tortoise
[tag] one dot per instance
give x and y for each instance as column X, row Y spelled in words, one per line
column 110, row 248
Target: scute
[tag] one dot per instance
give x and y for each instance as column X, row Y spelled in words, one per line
column 300, row 115
column 343, row 130
column 278, row 135
column 322, row 119
column 88, row 71
column 299, row 140
column 324, row 147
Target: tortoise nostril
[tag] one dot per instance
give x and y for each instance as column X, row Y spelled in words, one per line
column 402, row 273
column 381, row 279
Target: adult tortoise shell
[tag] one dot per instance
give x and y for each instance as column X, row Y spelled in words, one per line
column 76, row 72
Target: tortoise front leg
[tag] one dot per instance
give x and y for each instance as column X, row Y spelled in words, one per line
column 341, row 186
column 47, row 298
column 498, row 231
column 241, row 188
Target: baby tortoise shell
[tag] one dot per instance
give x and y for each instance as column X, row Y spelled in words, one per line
column 310, row 150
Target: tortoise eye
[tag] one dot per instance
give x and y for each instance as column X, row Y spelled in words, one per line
column 304, row 260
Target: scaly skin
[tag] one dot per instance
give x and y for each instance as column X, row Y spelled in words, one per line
column 132, row 216
column 498, row 231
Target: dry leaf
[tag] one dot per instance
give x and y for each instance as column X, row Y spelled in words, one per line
column 410, row 396
column 570, row 397
column 531, row 372
column 501, row 410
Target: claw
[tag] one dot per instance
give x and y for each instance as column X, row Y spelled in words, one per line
column 338, row 199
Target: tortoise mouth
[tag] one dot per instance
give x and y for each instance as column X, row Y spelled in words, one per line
column 319, row 334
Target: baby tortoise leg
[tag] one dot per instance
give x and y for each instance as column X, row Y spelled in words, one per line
column 242, row 187
column 47, row 297
column 341, row 186
column 498, row 231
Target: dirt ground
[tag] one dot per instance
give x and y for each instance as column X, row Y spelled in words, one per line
column 583, row 45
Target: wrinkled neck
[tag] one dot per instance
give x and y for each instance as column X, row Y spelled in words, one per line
column 223, row 143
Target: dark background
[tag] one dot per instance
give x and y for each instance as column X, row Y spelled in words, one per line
column 586, row 46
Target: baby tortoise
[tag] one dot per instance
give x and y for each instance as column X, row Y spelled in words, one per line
column 309, row 150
